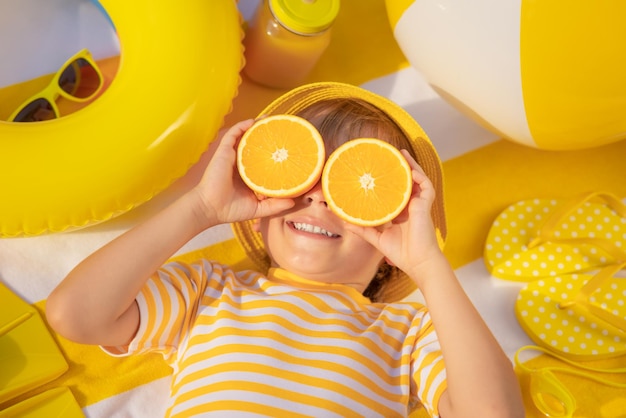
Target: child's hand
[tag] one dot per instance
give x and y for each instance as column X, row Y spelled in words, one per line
column 410, row 239
column 223, row 195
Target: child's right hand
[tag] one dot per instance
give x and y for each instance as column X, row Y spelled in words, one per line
column 96, row 302
column 222, row 196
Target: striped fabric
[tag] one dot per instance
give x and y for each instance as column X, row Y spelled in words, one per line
column 280, row 345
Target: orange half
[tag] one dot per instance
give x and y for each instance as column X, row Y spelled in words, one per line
column 367, row 182
column 281, row 156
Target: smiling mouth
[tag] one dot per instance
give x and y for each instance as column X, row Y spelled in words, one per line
column 312, row 229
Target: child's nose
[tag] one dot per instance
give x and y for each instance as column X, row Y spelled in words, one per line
column 315, row 195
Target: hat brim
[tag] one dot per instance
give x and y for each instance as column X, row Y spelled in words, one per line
column 302, row 97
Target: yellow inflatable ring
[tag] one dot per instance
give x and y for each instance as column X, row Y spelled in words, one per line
column 178, row 73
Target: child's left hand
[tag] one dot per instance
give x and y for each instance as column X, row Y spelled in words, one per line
column 410, row 239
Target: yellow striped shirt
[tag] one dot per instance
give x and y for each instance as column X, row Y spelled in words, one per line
column 249, row 345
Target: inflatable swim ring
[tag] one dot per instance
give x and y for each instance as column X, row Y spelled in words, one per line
column 177, row 76
column 547, row 74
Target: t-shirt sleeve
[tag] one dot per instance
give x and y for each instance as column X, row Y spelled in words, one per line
column 168, row 304
column 428, row 368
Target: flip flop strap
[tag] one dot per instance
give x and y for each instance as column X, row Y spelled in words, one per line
column 607, row 246
column 546, row 232
column 565, row 209
column 582, row 297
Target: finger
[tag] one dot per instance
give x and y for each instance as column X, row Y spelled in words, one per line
column 417, row 173
column 235, row 132
column 402, row 216
column 412, row 163
column 227, row 144
column 425, row 188
column 272, row 206
column 369, row 234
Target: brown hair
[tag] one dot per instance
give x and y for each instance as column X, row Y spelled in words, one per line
column 341, row 120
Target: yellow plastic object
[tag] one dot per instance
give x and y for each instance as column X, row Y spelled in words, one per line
column 178, row 74
column 29, row 357
column 527, row 70
column 548, row 393
column 57, row 87
column 581, row 316
column 548, row 237
column 550, row 396
column 307, row 17
column 54, row 403
column 574, row 90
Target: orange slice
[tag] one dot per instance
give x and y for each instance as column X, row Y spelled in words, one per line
column 367, row 182
column 281, row 156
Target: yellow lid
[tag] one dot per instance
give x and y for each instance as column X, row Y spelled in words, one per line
column 305, row 16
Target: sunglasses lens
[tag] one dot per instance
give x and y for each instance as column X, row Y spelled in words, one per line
column 80, row 79
column 36, row 111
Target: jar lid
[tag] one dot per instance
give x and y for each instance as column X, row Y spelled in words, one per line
column 305, row 16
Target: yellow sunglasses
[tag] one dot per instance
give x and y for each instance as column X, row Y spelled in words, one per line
column 79, row 80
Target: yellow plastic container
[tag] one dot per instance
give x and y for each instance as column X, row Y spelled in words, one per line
column 286, row 38
column 29, row 356
column 54, row 403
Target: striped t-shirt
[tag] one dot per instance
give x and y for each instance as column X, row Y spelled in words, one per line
column 243, row 344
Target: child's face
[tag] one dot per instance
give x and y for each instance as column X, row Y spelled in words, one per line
column 311, row 241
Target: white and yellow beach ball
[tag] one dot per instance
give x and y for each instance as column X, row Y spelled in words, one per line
column 547, row 74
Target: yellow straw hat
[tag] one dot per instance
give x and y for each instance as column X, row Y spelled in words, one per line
column 302, row 97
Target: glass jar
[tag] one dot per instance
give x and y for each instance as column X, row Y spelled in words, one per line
column 285, row 39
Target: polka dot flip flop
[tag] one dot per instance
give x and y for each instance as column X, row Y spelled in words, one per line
column 581, row 316
column 544, row 238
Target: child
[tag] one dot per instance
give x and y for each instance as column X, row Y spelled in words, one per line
column 319, row 329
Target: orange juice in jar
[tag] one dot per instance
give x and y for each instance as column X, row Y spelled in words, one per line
column 285, row 39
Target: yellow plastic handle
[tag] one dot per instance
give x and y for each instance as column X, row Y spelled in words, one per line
column 550, row 396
